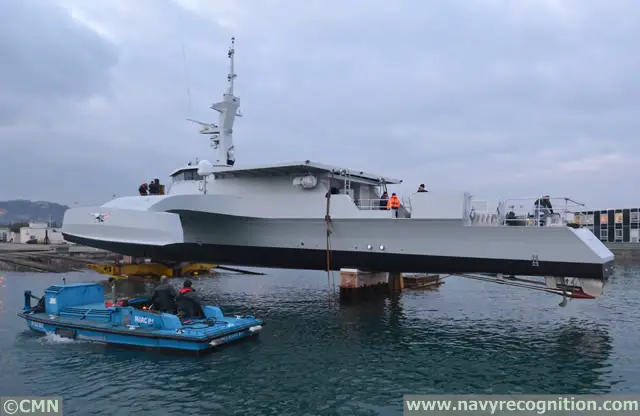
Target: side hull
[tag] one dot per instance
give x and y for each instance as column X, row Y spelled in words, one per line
column 395, row 245
column 131, row 338
column 316, row 259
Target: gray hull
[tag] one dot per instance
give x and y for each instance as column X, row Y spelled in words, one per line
column 394, row 245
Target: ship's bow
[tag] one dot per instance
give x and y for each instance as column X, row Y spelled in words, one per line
column 122, row 230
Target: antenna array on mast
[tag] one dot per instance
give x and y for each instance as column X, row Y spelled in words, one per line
column 221, row 134
column 232, row 75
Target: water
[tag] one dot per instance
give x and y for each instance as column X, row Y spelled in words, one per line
column 314, row 358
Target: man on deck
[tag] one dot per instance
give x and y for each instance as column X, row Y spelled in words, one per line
column 541, row 208
column 384, row 200
column 394, row 204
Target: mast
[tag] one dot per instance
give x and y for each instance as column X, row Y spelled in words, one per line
column 221, row 135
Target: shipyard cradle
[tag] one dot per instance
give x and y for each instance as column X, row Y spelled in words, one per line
column 307, row 215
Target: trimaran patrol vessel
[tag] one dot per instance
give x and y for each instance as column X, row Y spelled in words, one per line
column 306, row 215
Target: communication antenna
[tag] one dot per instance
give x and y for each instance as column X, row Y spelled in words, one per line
column 221, row 134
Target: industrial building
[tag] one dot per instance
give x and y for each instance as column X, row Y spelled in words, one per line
column 612, row 225
column 38, row 233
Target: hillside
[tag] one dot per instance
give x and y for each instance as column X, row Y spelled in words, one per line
column 25, row 211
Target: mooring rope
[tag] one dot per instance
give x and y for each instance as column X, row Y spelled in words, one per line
column 327, row 218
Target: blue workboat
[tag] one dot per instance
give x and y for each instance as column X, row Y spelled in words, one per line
column 79, row 311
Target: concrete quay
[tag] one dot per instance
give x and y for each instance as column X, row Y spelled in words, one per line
column 54, row 248
column 626, row 253
column 50, row 258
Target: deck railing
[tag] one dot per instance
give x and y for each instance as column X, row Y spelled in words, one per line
column 524, row 212
column 510, row 212
column 371, row 204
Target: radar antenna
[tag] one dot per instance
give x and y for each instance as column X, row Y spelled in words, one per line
column 221, row 135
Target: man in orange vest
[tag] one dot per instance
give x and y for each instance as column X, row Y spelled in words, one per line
column 394, row 204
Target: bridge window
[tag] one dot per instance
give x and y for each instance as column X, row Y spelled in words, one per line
column 192, row 175
column 635, row 217
column 189, row 175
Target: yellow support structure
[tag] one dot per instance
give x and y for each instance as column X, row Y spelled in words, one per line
column 151, row 269
column 196, row 269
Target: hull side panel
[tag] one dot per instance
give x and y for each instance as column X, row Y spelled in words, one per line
column 316, row 259
column 403, row 245
column 439, row 238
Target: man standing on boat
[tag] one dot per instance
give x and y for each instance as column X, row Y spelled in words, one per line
column 541, row 208
column 154, row 187
column 384, row 200
column 421, row 188
column 394, row 204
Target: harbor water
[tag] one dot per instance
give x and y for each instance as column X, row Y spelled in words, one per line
column 317, row 357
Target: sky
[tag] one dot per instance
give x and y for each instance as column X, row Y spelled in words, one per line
column 500, row 98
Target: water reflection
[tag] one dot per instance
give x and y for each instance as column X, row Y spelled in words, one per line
column 510, row 357
column 495, row 356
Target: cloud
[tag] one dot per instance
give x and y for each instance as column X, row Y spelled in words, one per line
column 491, row 96
column 48, row 61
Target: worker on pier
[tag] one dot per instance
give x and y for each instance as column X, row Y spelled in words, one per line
column 542, row 208
column 394, row 204
column 164, row 295
column 143, row 189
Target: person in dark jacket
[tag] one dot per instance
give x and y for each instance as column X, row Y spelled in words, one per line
column 188, row 301
column 164, row 295
column 383, row 200
column 143, row 189
column 541, row 208
column 154, row 189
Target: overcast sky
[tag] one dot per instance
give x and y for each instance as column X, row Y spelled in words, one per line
column 500, row 98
